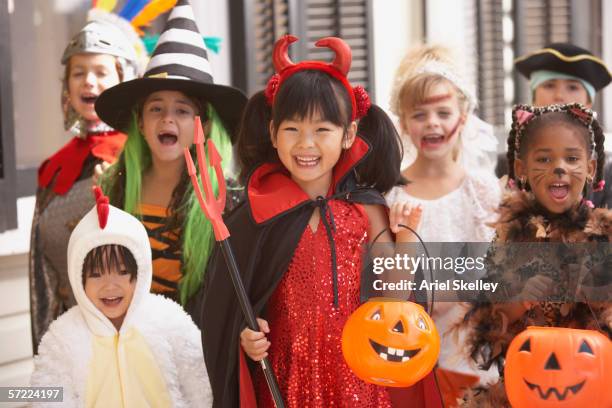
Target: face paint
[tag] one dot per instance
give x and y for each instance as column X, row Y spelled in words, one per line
column 436, row 98
column 433, row 125
column 556, row 165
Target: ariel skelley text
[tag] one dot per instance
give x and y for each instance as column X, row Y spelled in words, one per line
column 447, row 285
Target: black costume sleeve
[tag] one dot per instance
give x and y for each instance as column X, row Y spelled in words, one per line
column 263, row 254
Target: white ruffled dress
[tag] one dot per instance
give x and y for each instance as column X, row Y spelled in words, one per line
column 459, row 216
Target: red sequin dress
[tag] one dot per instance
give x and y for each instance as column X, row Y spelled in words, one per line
column 306, row 328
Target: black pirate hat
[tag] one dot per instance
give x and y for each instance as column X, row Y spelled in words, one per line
column 567, row 59
column 179, row 63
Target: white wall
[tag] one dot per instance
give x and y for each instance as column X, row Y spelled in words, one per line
column 15, row 332
column 397, row 25
column 213, row 21
column 451, row 23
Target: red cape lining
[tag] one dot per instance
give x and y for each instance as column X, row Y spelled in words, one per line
column 271, row 191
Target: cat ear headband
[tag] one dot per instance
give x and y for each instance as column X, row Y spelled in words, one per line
column 522, row 115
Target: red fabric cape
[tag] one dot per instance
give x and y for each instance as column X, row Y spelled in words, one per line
column 68, row 162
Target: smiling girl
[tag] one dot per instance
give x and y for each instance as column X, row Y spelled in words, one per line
column 316, row 158
column 98, row 57
column 434, row 105
column 556, row 156
column 449, row 180
column 150, row 179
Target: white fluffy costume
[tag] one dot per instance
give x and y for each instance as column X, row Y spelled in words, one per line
column 154, row 360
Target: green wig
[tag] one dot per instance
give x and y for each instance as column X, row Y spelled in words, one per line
column 196, row 233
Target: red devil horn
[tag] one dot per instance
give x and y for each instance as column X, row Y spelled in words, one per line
column 101, row 206
column 343, row 53
column 280, row 58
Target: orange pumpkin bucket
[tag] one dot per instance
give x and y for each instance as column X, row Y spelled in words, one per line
column 559, row 367
column 390, row 343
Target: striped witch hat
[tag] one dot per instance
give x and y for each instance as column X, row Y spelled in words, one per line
column 179, row 63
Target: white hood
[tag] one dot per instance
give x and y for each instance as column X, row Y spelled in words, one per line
column 121, row 229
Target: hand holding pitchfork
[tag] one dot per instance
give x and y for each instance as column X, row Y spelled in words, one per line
column 213, row 209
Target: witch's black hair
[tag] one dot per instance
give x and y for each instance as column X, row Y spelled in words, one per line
column 311, row 92
column 555, row 114
column 101, row 259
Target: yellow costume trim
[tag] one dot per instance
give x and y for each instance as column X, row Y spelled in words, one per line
column 124, row 373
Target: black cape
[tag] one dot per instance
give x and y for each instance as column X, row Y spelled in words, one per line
column 263, row 252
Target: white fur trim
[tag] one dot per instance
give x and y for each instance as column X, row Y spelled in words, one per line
column 65, row 353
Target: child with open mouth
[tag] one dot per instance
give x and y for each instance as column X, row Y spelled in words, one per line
column 451, row 180
column 556, row 157
column 98, row 57
column 562, row 73
column 316, row 157
column 150, row 178
column 120, row 346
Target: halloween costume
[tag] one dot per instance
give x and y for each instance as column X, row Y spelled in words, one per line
column 64, row 179
column 577, row 297
column 165, row 248
column 266, row 235
column 62, row 198
column 462, row 215
column 522, row 219
column 154, row 359
column 304, row 283
column 566, row 61
column 178, row 63
column 474, row 201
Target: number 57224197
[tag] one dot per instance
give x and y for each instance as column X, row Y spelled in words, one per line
column 31, row 394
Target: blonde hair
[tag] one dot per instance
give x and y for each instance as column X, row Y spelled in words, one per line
column 421, row 69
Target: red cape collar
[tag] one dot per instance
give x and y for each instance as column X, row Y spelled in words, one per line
column 271, row 191
column 68, row 162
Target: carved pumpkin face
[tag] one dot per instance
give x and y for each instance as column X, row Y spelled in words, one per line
column 559, row 367
column 390, row 343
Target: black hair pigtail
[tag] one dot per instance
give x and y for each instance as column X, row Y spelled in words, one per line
column 511, row 152
column 600, row 151
column 254, row 145
column 381, row 168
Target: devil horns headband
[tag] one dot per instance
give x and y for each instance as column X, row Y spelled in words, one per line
column 338, row 69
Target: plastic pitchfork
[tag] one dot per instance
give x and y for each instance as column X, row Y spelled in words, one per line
column 213, row 209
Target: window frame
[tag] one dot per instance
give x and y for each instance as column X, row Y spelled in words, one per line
column 243, row 26
column 8, row 187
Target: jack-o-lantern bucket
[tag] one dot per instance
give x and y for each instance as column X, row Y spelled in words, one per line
column 559, row 367
column 390, row 342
